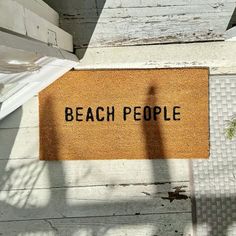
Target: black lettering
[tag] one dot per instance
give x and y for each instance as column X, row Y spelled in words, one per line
column 126, row 111
column 111, row 113
column 147, row 113
column 156, row 111
column 98, row 117
column 78, row 114
column 137, row 113
column 89, row 115
column 165, row 114
column 175, row 113
column 69, row 114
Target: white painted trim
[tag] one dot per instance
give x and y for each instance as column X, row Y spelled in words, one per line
column 32, row 46
column 35, row 82
column 54, row 63
column 41, row 9
column 218, row 56
column 25, row 22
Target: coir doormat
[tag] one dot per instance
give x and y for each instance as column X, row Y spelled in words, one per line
column 125, row 114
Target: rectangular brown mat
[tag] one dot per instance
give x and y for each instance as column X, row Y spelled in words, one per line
column 125, row 114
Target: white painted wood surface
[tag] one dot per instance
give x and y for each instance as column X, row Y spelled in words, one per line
column 218, row 56
column 142, row 225
column 26, row 22
column 108, row 23
column 40, row 8
column 96, row 201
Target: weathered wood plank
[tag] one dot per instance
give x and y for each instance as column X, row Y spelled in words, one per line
column 71, row 8
column 218, row 56
column 113, row 13
column 131, row 30
column 63, row 7
column 28, row 174
column 141, row 225
column 120, row 23
column 93, row 201
column 163, row 3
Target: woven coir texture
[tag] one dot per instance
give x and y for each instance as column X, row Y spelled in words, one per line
column 125, row 114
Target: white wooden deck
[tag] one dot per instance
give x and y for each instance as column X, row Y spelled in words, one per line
column 120, row 197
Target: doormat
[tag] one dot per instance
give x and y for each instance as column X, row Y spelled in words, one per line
column 125, row 114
